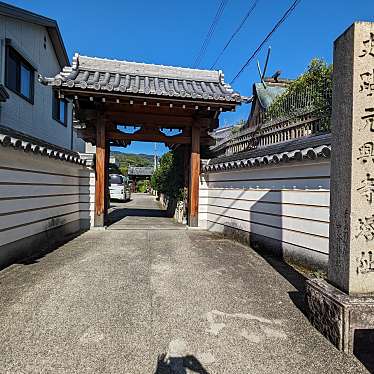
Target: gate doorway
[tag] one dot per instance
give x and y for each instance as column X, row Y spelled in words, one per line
column 107, row 94
column 143, row 212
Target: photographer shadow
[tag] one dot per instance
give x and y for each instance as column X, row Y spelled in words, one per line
column 179, row 365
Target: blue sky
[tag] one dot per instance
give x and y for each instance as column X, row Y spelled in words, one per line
column 171, row 33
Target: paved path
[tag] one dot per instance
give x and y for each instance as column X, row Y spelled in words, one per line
column 113, row 301
column 142, row 212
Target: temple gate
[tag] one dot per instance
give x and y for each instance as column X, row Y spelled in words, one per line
column 110, row 93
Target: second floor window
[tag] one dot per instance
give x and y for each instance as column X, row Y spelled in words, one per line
column 59, row 109
column 19, row 75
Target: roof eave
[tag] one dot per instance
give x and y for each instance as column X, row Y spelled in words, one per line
column 50, row 24
column 129, row 95
column 58, row 46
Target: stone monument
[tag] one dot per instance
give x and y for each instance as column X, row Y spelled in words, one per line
column 345, row 302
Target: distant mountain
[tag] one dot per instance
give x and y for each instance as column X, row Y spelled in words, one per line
column 132, row 159
column 142, row 155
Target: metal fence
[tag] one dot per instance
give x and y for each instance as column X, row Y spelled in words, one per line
column 296, row 115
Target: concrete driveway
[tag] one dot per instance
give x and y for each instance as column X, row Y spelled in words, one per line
column 139, row 298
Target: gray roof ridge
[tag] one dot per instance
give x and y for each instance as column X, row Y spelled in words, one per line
column 297, row 144
column 5, row 130
column 225, row 127
column 146, row 63
column 195, row 74
column 20, row 141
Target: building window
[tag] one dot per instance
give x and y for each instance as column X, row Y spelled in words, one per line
column 59, row 109
column 19, row 75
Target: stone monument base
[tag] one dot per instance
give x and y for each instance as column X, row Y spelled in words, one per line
column 338, row 315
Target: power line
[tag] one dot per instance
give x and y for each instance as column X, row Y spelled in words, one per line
column 254, row 54
column 251, row 9
column 209, row 35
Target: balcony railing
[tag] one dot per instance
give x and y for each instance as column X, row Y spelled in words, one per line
column 296, row 117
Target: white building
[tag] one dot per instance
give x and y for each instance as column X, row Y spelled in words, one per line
column 30, row 45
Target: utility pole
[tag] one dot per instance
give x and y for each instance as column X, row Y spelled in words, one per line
column 155, row 157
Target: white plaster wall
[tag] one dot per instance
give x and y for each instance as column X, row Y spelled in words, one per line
column 17, row 113
column 79, row 145
column 89, row 148
column 287, row 203
column 38, row 193
column 92, row 197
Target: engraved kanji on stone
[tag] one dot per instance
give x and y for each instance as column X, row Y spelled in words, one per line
column 366, row 152
column 367, row 83
column 365, row 263
column 367, row 188
column 368, row 120
column 366, row 228
column 368, row 46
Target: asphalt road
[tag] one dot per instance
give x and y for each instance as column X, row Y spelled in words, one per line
column 148, row 296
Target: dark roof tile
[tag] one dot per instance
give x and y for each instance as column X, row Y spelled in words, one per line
column 140, row 170
column 27, row 143
column 297, row 149
column 132, row 77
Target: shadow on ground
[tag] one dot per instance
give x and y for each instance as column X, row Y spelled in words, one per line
column 37, row 252
column 363, row 339
column 178, row 365
column 364, row 347
column 291, row 275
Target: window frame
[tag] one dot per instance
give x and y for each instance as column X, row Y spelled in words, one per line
column 12, row 53
column 56, row 109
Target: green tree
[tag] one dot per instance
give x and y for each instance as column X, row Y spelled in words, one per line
column 238, row 126
column 169, row 176
column 142, row 185
column 317, row 82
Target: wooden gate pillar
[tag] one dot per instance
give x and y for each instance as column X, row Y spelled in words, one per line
column 193, row 191
column 106, row 168
column 100, row 193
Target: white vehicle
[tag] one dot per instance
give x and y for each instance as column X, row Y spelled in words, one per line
column 119, row 188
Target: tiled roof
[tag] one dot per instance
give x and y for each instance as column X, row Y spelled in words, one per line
column 312, row 147
column 23, row 142
column 267, row 94
column 91, row 73
column 142, row 171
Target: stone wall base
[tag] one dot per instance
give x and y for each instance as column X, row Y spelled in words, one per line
column 41, row 243
column 294, row 254
column 338, row 315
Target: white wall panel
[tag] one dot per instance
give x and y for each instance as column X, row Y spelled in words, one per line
column 27, row 203
column 300, row 196
column 287, row 203
column 319, row 213
column 38, row 193
column 26, row 176
column 283, row 222
column 15, row 191
column 35, row 228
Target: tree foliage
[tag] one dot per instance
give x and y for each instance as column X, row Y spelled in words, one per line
column 311, row 89
column 142, row 185
column 169, row 176
column 238, row 126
